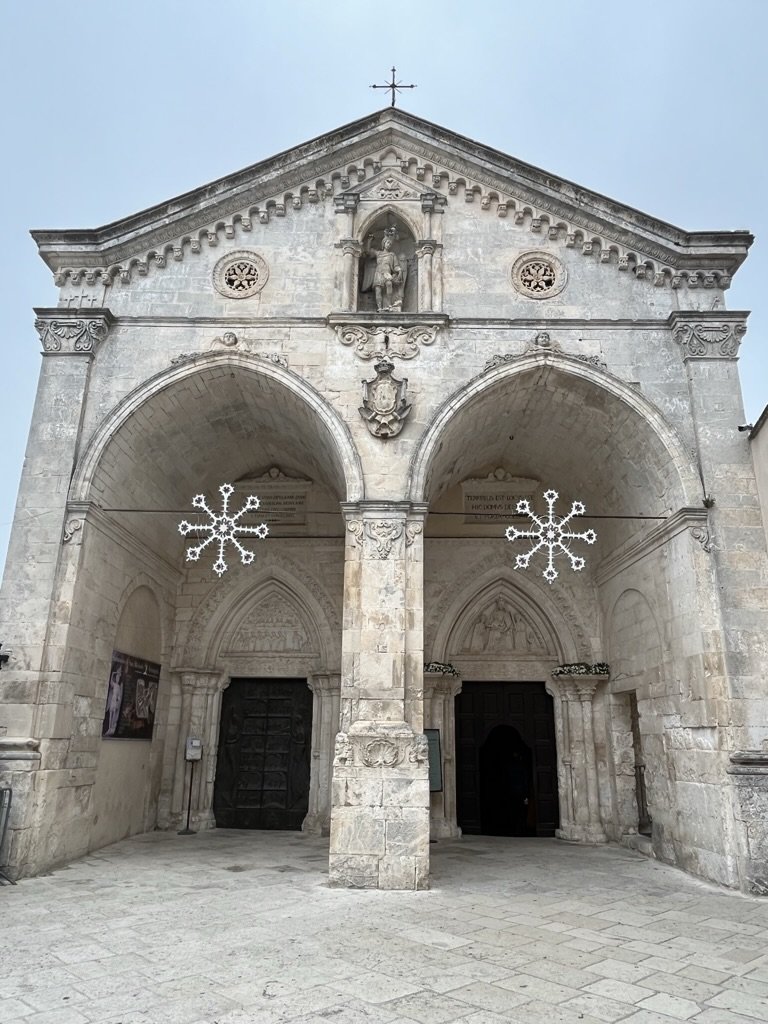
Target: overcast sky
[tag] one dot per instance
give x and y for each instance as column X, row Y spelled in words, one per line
column 109, row 108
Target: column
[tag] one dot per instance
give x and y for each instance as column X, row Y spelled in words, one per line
column 41, row 572
column 351, row 250
column 440, row 692
column 424, row 252
column 380, row 793
column 201, row 692
column 325, row 687
column 581, row 820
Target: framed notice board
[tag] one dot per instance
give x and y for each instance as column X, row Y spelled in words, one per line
column 435, row 760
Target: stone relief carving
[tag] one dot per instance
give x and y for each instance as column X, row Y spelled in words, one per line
column 412, row 531
column 702, row 536
column 240, row 274
column 380, row 754
column 392, row 188
column 383, row 533
column 72, row 531
column 380, row 341
column 384, row 407
column 538, row 275
column 502, row 629
column 77, row 335
column 274, row 626
column 229, row 340
column 342, row 754
column 709, row 340
column 190, row 647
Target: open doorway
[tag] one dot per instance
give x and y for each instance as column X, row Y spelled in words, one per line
column 506, row 760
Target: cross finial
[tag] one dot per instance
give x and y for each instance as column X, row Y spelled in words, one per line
column 394, row 86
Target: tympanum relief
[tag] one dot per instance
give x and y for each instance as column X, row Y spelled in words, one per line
column 274, row 626
column 501, row 629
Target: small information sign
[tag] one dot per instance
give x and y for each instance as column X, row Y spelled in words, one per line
column 435, row 760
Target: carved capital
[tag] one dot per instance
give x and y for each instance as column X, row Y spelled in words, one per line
column 350, row 247
column 72, row 332
column 709, row 339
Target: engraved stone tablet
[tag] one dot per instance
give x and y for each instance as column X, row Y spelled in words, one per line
column 494, row 498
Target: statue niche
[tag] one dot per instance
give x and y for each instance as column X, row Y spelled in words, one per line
column 388, row 271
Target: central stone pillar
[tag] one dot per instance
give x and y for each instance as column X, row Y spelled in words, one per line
column 380, row 793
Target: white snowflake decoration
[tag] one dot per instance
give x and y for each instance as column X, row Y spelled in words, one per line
column 551, row 533
column 223, row 528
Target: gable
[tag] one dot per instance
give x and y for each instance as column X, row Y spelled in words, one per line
column 395, row 157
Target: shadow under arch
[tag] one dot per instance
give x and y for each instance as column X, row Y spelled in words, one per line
column 347, row 465
column 652, row 433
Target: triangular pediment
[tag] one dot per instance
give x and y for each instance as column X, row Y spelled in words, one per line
column 393, row 156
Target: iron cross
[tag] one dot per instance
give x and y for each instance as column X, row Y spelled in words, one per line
column 394, row 86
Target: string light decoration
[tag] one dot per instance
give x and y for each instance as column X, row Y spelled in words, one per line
column 223, row 529
column 551, row 534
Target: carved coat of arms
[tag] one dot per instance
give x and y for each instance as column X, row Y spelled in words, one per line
column 384, row 407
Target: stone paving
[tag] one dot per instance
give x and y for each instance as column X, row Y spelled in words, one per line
column 241, row 928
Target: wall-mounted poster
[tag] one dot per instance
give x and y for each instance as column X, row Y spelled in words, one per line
column 131, row 698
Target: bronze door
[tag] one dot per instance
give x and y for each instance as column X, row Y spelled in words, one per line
column 262, row 772
column 506, row 760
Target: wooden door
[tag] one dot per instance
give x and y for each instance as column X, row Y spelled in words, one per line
column 262, row 771
column 506, row 759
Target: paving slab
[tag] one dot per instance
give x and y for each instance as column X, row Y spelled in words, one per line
column 233, row 927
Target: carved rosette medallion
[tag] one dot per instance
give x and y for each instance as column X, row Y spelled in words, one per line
column 82, row 335
column 709, row 340
column 382, row 342
column 240, row 274
column 384, row 407
column 538, row 275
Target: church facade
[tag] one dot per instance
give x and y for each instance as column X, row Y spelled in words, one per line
column 507, row 574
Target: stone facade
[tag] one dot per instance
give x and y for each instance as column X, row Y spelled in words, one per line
column 391, row 334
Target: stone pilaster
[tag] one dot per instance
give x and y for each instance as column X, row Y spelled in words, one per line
column 735, row 654
column 326, row 696
column 580, row 804
column 440, row 692
column 380, row 803
column 201, row 692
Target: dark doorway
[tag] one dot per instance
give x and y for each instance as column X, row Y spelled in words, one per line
column 506, row 760
column 262, row 772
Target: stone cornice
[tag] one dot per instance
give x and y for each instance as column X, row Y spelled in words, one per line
column 693, row 519
column 438, row 162
column 72, row 332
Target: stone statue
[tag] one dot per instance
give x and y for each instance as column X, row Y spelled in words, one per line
column 387, row 275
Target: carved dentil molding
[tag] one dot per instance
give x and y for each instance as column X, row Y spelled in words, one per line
column 709, row 340
column 536, row 214
column 79, row 335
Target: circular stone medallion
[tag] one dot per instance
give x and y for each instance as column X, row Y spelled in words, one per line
column 538, row 275
column 241, row 274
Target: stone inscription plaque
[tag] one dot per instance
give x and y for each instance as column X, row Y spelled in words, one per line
column 494, row 498
column 283, row 501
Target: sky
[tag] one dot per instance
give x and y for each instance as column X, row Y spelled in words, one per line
column 110, row 108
